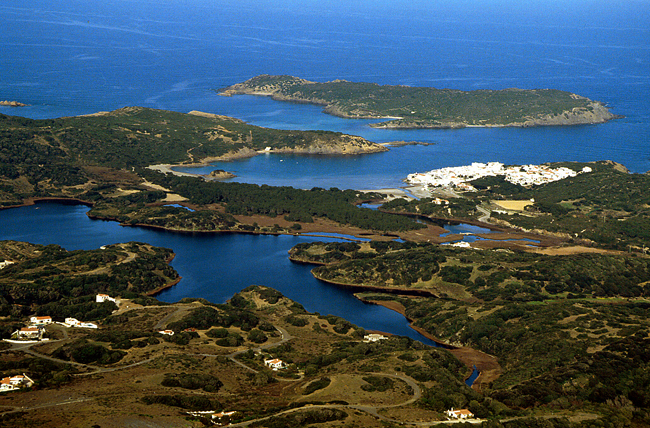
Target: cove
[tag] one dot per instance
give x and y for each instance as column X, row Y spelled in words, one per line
column 213, row 266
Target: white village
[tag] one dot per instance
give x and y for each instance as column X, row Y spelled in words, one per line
column 459, row 177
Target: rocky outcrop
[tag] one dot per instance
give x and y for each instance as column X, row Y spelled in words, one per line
column 220, row 174
column 12, row 104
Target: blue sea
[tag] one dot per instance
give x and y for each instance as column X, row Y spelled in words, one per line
column 78, row 57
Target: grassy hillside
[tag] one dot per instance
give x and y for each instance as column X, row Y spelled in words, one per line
column 568, row 331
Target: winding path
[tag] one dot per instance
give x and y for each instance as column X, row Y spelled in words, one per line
column 486, row 214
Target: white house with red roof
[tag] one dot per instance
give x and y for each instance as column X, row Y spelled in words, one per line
column 40, row 320
column 459, row 414
column 29, row 333
column 13, row 383
column 275, row 364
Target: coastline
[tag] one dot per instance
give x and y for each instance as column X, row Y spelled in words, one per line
column 487, row 365
column 162, row 288
column 417, row 292
column 62, row 200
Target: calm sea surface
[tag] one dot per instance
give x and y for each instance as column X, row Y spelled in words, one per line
column 78, row 57
column 213, row 266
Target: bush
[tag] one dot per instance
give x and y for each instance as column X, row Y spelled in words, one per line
column 217, row 333
column 296, row 321
column 377, row 383
column 202, row 381
column 316, row 385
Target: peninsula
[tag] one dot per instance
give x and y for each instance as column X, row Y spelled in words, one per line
column 424, row 107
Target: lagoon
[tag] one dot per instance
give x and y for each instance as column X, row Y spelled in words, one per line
column 212, row 266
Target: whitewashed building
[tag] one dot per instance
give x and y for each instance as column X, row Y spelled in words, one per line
column 29, row 333
column 374, row 337
column 101, row 298
column 275, row 364
column 459, row 414
column 40, row 320
column 13, row 383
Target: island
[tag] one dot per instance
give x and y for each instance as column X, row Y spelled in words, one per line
column 424, row 107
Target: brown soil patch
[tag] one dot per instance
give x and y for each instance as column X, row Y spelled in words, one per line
column 565, row 251
column 513, row 205
column 112, row 175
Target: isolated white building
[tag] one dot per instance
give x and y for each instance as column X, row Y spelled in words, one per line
column 101, row 298
column 374, row 337
column 13, row 383
column 459, row 414
column 275, row 364
column 5, row 263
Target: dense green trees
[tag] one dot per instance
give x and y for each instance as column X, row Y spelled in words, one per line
column 487, row 275
column 303, row 205
column 60, row 283
column 420, row 107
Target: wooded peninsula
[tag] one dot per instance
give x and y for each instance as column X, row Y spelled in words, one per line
column 424, row 107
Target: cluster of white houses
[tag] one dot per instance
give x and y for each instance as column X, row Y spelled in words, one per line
column 34, row 331
column 458, row 177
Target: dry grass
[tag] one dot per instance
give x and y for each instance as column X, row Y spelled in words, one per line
column 513, row 205
column 347, row 387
